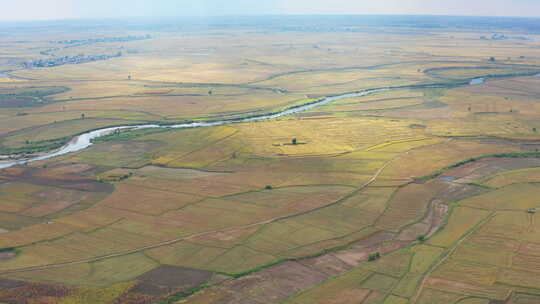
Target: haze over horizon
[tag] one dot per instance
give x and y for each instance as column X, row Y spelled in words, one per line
column 75, row 9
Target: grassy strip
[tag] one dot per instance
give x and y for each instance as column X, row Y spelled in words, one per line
column 473, row 159
column 481, row 186
column 36, row 91
column 184, row 294
column 37, row 146
column 11, row 249
column 127, row 135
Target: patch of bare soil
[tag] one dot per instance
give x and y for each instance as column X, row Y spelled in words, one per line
column 360, row 251
column 276, row 283
column 429, row 225
column 39, row 176
column 284, row 280
column 5, row 283
column 15, row 292
column 4, row 256
column 166, row 279
column 449, row 192
column 484, row 167
column 327, row 264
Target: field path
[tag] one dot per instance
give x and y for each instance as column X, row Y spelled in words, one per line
column 449, row 254
column 170, row 242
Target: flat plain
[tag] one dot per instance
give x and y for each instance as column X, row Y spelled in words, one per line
column 422, row 192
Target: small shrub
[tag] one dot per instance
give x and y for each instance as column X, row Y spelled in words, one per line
column 374, row 256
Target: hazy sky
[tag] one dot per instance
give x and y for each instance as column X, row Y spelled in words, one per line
column 62, row 9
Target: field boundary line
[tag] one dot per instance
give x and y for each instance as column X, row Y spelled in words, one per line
column 449, row 254
column 184, row 238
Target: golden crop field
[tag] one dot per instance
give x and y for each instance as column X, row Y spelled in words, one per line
column 421, row 192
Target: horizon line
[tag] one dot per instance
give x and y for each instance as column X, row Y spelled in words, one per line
column 251, row 15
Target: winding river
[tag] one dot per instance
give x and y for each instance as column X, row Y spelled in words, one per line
column 84, row 140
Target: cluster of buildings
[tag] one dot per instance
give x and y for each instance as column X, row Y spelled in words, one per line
column 503, row 37
column 62, row 60
column 57, row 61
column 99, row 40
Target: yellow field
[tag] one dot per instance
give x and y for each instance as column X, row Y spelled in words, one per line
column 347, row 202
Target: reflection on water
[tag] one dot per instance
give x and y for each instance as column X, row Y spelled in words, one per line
column 477, row 81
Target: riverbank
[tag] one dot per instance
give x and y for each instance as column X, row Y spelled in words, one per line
column 85, row 140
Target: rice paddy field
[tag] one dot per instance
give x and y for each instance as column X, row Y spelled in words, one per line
column 424, row 192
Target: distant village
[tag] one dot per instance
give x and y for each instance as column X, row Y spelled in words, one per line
column 57, row 61
column 503, row 37
column 82, row 42
column 100, row 40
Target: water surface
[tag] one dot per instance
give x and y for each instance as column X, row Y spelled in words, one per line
column 84, row 140
column 477, row 81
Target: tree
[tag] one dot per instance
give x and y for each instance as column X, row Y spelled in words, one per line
column 534, row 130
column 268, row 187
column 374, row 256
column 82, row 116
column 210, row 92
column 294, row 141
column 492, row 59
column 421, row 238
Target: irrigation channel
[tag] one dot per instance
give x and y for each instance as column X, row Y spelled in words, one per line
column 84, row 140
